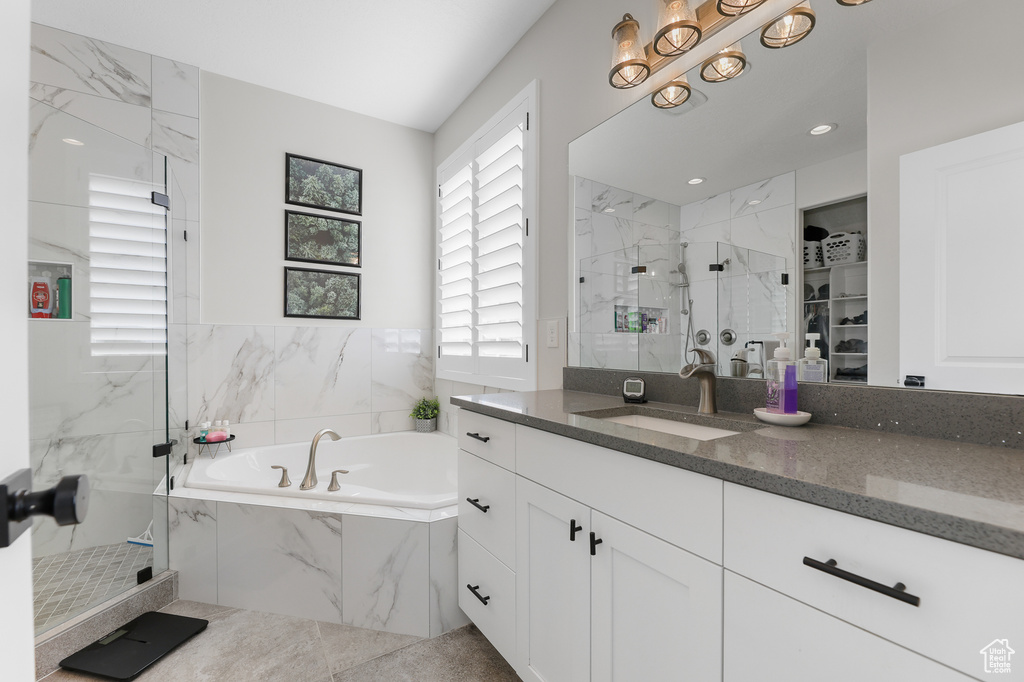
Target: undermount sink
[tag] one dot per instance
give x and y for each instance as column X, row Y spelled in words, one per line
column 675, row 423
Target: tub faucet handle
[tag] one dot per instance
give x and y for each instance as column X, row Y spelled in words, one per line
column 334, row 480
column 285, row 481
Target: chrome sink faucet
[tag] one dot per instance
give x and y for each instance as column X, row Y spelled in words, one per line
column 705, row 373
column 309, row 482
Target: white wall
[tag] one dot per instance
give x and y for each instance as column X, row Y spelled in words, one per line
column 246, row 131
column 15, row 562
column 843, row 177
column 569, row 51
column 954, row 97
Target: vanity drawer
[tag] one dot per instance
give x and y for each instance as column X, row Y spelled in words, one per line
column 495, row 583
column 968, row 596
column 493, row 489
column 492, row 439
column 681, row 507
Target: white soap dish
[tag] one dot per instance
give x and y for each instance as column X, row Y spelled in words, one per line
column 782, row 419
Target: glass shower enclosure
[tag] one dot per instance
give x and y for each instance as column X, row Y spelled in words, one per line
column 647, row 307
column 98, row 358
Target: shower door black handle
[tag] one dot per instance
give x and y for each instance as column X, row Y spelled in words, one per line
column 67, row 503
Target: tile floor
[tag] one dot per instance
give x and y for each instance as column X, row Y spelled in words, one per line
column 248, row 645
column 65, row 585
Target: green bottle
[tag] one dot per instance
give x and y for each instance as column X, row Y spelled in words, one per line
column 64, row 298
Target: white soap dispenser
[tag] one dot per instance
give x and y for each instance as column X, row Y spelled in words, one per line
column 811, row 367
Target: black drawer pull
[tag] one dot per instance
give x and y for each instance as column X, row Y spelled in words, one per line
column 483, row 439
column 476, row 503
column 594, row 542
column 573, row 529
column 473, row 589
column 898, row 591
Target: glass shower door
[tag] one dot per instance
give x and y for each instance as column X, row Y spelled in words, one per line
column 98, row 359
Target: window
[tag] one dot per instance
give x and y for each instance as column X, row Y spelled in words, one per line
column 486, row 299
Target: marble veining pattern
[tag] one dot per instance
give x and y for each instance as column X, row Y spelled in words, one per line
column 402, row 367
column 192, row 547
column 175, row 87
column 90, row 66
column 321, row 371
column 231, row 373
column 129, row 121
column 445, row 613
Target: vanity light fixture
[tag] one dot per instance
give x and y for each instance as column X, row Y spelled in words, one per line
column 678, row 29
column 724, row 66
column 734, row 8
column 822, row 129
column 696, row 181
column 672, row 94
column 629, row 64
column 73, row 141
column 790, row 28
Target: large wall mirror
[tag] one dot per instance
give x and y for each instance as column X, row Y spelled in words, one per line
column 693, row 225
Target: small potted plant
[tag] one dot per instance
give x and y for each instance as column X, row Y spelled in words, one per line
column 425, row 413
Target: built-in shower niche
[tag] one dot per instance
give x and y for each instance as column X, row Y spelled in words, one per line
column 647, row 307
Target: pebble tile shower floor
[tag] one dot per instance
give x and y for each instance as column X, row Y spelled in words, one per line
column 67, row 584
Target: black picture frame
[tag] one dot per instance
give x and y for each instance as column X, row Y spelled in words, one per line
column 330, row 233
column 344, row 181
column 297, row 301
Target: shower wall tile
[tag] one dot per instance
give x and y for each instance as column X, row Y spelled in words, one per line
column 73, row 393
column 250, row 435
column 231, row 373
column 659, row 352
column 611, row 201
column 770, row 231
column 389, row 422
column 652, row 211
column 573, row 348
column 712, row 232
column 611, row 233
column 114, row 516
column 303, row 430
column 176, row 136
column 175, row 87
column 284, row 561
column 192, row 543
column 385, row 575
column 770, row 193
column 445, row 613
column 114, row 462
column 94, row 67
column 708, row 211
column 321, row 371
column 130, row 121
column 402, row 368
column 584, row 234
column 583, row 193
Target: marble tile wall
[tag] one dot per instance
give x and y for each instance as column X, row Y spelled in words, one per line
column 389, row 574
column 283, row 384
column 101, row 415
column 615, row 230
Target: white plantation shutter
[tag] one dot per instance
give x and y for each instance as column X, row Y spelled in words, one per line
column 485, row 302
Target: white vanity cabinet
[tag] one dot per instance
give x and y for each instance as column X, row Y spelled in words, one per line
column 965, row 597
column 599, row 597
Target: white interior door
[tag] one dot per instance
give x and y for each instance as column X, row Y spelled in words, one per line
column 16, row 629
column 961, row 245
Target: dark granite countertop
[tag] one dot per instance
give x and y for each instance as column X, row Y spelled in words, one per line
column 972, row 494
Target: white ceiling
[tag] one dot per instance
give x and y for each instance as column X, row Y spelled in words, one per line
column 407, row 61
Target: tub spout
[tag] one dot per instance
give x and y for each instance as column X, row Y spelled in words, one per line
column 309, row 481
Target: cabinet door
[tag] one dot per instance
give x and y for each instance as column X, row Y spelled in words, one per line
column 552, row 586
column 769, row 636
column 656, row 610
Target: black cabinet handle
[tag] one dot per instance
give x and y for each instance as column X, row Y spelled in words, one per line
column 594, row 542
column 478, row 436
column 473, row 589
column 897, row 591
column 573, row 529
column 476, row 503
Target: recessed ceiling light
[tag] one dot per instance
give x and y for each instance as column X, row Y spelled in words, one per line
column 71, row 140
column 697, row 181
column 753, row 202
column 609, row 210
column 823, row 128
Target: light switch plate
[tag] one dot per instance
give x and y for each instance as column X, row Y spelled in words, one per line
column 552, row 333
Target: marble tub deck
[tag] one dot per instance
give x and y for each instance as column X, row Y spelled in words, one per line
column 250, row 645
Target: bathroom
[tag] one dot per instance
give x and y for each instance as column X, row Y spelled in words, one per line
column 233, row 355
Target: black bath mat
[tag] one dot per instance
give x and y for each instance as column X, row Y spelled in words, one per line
column 129, row 650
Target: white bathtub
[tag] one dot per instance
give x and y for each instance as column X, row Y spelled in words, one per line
column 405, row 469
column 380, row 553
